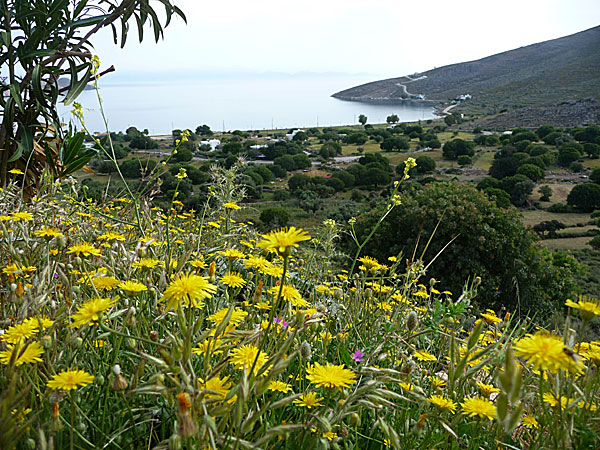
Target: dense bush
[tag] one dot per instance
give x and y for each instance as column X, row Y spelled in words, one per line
column 457, row 147
column 484, row 240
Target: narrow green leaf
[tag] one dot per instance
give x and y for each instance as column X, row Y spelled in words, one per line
column 86, row 22
column 15, row 93
column 16, row 155
column 77, row 87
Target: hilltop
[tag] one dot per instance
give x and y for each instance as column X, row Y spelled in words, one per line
column 560, row 70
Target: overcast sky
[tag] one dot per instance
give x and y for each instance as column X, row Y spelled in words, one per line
column 378, row 37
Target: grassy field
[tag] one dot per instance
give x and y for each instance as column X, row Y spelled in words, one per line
column 578, row 243
column 569, row 219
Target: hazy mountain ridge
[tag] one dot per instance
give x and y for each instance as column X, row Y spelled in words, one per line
column 563, row 69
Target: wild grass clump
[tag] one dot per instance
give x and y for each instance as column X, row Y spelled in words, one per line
column 126, row 326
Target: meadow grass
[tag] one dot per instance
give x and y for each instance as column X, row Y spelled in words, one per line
column 127, row 326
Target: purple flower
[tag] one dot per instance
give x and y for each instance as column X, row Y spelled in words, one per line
column 56, row 275
column 281, row 322
column 357, row 356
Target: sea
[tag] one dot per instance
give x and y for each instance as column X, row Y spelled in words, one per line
column 227, row 102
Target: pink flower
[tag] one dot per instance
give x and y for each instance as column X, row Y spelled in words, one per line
column 357, row 356
column 281, row 322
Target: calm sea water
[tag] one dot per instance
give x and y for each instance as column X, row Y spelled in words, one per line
column 230, row 103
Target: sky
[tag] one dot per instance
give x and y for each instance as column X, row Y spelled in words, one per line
column 378, row 38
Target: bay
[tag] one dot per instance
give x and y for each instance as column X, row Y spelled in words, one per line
column 232, row 102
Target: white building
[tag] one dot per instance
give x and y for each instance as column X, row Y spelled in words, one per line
column 213, row 143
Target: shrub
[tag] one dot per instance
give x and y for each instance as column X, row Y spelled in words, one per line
column 485, row 241
column 457, row 147
column 585, row 196
column 464, row 160
column 274, row 217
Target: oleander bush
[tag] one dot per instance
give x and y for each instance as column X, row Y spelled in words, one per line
column 127, row 326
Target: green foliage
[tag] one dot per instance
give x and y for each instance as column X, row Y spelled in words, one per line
column 183, row 155
column 484, row 240
column 425, row 164
column 42, row 41
column 274, row 217
column 585, row 196
column 204, row 130
column 393, row 118
column 396, row 143
column 464, row 160
column 457, row 147
column 534, row 173
column 568, row 153
column 545, row 192
column 362, row 119
column 548, row 228
column 595, row 175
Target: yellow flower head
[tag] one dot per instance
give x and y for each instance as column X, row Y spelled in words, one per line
column 19, row 332
column 588, row 307
column 423, row 355
column 147, row 263
column 48, row 233
column 478, row 406
column 31, row 354
column 70, row 379
column 290, row 294
column 232, row 253
column 544, row 352
column 309, row 400
column 231, row 205
column 220, row 387
column 233, row 279
column 330, row 376
column 442, row 403
column 132, row 286
column 279, row 386
column 91, row 310
column 84, row 249
column 21, row 216
column 282, row 241
column 188, row 289
column 247, row 356
column 237, row 316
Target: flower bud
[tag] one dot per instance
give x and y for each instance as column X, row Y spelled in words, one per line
column 412, row 320
column 46, row 341
column 154, row 336
column 305, row 350
column 119, row 383
column 77, row 342
column 354, row 420
column 338, row 294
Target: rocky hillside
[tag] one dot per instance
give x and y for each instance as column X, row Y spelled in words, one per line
column 542, row 74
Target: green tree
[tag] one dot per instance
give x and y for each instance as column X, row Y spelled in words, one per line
column 545, row 192
column 183, row 155
column 585, row 196
column 42, row 41
column 392, row 118
column 362, row 119
column 457, row 147
column 204, row 130
column 274, row 217
column 534, row 173
column 425, row 164
column 450, row 120
column 595, row 175
column 464, row 160
column 484, row 240
column 567, row 155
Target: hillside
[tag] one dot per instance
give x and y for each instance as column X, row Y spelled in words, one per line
column 559, row 70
